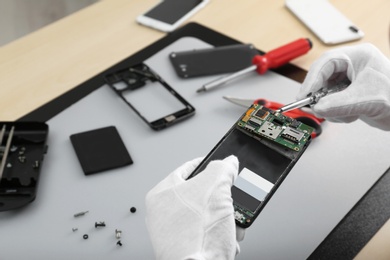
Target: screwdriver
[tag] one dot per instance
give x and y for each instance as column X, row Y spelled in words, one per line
column 313, row 98
column 271, row 60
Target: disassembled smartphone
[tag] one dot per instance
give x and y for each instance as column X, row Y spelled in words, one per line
column 22, row 147
column 170, row 14
column 267, row 144
column 325, row 21
column 158, row 104
column 213, row 60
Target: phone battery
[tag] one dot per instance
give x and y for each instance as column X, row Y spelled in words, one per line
column 212, row 61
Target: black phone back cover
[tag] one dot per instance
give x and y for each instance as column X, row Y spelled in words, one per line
column 212, row 61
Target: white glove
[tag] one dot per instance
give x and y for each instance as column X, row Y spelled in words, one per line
column 368, row 95
column 193, row 219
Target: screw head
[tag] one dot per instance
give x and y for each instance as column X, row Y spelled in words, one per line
column 118, row 233
column 100, row 224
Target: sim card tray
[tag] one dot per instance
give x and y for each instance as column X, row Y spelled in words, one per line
column 151, row 98
column 22, row 146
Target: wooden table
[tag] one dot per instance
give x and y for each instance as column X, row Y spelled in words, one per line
column 47, row 63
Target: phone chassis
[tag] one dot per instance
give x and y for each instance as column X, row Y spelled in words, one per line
column 135, row 78
column 267, row 144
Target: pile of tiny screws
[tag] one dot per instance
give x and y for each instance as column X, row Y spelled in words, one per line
column 101, row 224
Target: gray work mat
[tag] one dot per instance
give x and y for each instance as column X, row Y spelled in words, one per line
column 331, row 176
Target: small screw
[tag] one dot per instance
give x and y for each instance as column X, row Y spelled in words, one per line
column 118, row 233
column 85, row 236
column 22, row 159
column 133, row 209
column 100, row 224
column 119, row 243
column 80, row 214
column 74, row 229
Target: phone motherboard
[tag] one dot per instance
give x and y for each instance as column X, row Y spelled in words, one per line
column 277, row 127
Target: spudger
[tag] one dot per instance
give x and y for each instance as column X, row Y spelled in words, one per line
column 271, row 60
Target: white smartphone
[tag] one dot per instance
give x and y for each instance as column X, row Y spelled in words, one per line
column 170, row 14
column 324, row 20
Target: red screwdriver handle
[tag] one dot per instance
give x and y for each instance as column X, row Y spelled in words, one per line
column 281, row 55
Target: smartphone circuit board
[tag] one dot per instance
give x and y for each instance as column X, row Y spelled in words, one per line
column 277, row 127
column 253, row 186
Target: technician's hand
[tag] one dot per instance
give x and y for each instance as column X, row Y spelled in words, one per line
column 368, row 95
column 193, row 219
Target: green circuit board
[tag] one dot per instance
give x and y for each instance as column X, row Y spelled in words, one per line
column 284, row 130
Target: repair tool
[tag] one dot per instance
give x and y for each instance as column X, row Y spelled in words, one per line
column 22, row 150
column 271, row 60
column 80, row 214
column 298, row 114
column 6, row 148
column 313, row 98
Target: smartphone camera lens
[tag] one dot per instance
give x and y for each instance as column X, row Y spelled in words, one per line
column 353, row 29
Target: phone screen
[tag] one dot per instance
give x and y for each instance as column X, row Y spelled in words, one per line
column 170, row 11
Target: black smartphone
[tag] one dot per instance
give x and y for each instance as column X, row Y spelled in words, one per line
column 157, row 103
column 212, row 61
column 267, row 144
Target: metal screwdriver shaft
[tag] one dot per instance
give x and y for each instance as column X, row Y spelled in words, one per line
column 316, row 96
column 223, row 80
column 298, row 104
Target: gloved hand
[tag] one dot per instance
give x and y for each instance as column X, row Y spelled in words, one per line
column 193, row 219
column 368, row 95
